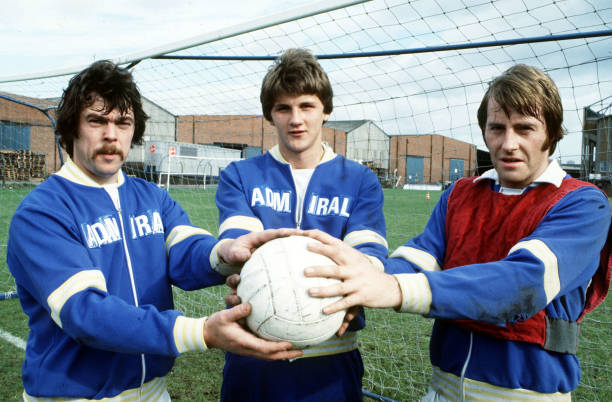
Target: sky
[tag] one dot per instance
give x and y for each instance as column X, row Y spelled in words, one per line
column 45, row 35
column 407, row 94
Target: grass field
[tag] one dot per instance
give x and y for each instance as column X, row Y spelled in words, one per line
column 394, row 346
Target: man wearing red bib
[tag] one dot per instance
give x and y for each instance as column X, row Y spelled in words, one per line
column 509, row 261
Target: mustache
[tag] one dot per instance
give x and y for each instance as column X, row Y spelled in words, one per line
column 109, row 149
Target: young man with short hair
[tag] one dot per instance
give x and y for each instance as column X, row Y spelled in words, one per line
column 301, row 183
column 94, row 253
column 509, row 261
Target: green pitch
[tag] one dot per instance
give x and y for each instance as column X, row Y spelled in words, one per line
column 394, row 346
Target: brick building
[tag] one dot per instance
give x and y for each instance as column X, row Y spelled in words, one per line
column 417, row 159
column 251, row 133
column 596, row 164
column 431, row 159
column 26, row 128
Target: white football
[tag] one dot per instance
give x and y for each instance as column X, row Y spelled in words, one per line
column 273, row 281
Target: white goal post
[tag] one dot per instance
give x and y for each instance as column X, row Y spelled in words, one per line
column 171, row 163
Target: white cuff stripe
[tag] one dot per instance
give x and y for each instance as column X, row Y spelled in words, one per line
column 422, row 259
column 215, row 262
column 214, row 254
column 181, row 232
column 82, row 280
column 241, row 222
column 552, row 282
column 189, row 334
column 376, row 262
column 364, row 236
column 416, row 293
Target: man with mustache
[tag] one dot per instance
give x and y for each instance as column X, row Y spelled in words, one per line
column 94, row 253
column 508, row 264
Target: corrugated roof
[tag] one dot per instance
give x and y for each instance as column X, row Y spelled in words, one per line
column 345, row 125
column 41, row 103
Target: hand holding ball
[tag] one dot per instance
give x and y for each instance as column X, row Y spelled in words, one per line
column 273, row 281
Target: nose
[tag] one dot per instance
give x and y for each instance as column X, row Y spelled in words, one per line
column 510, row 141
column 110, row 132
column 296, row 117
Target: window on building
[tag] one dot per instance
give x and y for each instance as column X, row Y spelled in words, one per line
column 188, row 151
column 14, row 136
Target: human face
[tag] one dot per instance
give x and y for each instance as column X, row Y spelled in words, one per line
column 299, row 124
column 516, row 144
column 103, row 141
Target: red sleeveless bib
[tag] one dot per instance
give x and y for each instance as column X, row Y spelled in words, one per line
column 483, row 225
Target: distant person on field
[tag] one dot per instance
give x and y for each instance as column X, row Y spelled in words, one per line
column 508, row 264
column 301, row 183
column 94, row 253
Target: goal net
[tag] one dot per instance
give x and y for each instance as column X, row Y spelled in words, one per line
column 414, row 71
column 172, row 163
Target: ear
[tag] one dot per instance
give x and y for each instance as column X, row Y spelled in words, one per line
column 325, row 117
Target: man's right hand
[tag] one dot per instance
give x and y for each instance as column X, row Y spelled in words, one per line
column 232, row 298
column 223, row 330
column 361, row 284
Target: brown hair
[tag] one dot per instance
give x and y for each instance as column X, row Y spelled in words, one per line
column 105, row 79
column 528, row 91
column 296, row 72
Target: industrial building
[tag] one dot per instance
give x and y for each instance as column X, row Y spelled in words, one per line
column 365, row 142
column 431, row 159
column 202, row 145
column 596, row 146
column 252, row 134
column 28, row 128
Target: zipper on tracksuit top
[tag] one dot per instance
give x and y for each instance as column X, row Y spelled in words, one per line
column 300, row 212
column 464, row 368
column 113, row 192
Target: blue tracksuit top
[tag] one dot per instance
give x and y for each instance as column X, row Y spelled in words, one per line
column 344, row 199
column 95, row 281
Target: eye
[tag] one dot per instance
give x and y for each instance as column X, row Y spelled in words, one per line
column 495, row 128
column 281, row 108
column 524, row 130
column 125, row 123
column 95, row 120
